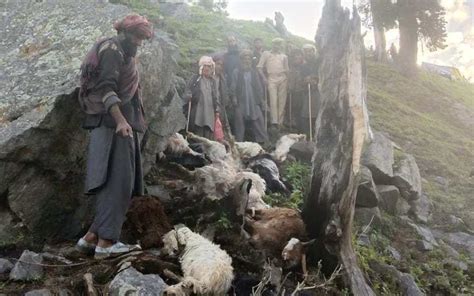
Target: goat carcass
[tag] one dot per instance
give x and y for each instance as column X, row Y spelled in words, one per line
column 271, row 229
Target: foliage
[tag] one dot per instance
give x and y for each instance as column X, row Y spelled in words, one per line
column 224, row 222
column 380, row 12
column 298, row 175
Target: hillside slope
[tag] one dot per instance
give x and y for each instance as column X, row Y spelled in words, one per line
column 432, row 118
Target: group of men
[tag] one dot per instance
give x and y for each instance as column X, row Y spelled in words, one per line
column 232, row 86
column 249, row 89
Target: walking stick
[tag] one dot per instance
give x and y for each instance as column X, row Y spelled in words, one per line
column 187, row 120
column 291, row 122
column 266, row 108
column 309, row 111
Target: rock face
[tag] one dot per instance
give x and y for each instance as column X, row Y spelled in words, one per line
column 389, row 198
column 378, row 157
column 5, row 266
column 405, row 281
column 27, row 268
column 41, row 292
column 459, row 240
column 132, row 282
column 421, row 209
column 406, row 176
column 367, row 194
column 42, row 147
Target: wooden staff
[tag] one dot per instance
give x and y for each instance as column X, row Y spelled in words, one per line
column 266, row 108
column 291, row 122
column 310, row 115
column 187, row 120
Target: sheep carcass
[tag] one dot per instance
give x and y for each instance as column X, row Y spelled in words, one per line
column 249, row 149
column 272, row 228
column 213, row 150
column 178, row 151
column 207, row 269
column 249, row 189
column 264, row 165
column 284, row 144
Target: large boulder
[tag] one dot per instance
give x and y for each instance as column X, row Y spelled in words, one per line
column 405, row 282
column 406, row 176
column 367, row 195
column 378, row 157
column 461, row 241
column 421, row 209
column 132, row 282
column 389, row 198
column 42, row 147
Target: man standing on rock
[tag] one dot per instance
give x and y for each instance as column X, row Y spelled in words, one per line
column 275, row 64
column 110, row 97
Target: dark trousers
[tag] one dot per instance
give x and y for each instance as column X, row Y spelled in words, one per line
column 254, row 127
column 124, row 178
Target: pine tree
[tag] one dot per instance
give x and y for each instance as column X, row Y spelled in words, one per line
column 419, row 20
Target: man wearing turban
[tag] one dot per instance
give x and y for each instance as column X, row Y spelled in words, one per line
column 110, row 97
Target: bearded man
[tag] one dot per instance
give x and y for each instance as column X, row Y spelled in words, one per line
column 110, row 97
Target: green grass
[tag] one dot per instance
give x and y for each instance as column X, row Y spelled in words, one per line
column 425, row 116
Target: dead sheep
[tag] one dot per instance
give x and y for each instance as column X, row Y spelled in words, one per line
column 284, row 144
column 249, row 190
column 207, row 269
column 249, row 149
column 271, row 229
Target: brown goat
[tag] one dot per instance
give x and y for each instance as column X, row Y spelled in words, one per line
column 271, row 229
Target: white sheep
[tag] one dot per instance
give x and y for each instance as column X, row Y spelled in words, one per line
column 284, row 144
column 207, row 269
column 255, row 193
column 249, row 149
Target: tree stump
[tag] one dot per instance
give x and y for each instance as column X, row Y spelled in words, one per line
column 340, row 131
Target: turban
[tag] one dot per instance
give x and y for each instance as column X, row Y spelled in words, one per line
column 278, row 40
column 206, row 61
column 135, row 24
column 309, row 46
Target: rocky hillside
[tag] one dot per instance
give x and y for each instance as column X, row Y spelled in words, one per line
column 414, row 209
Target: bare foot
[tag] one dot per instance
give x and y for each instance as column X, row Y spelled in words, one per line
column 91, row 238
column 104, row 243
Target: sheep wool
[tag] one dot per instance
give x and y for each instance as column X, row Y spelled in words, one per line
column 207, row 269
column 284, row 144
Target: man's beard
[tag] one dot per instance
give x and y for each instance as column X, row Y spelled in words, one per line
column 129, row 48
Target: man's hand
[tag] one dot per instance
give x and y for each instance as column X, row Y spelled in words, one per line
column 124, row 129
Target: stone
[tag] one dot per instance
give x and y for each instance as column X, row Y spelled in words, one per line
column 421, row 209
column 367, row 195
column 426, row 236
column 303, row 151
column 27, row 268
column 461, row 241
column 424, row 246
column 403, row 207
column 394, row 253
column 406, row 176
column 42, row 145
column 176, row 9
column 456, row 263
column 378, row 157
column 41, row 292
column 132, row 282
column 5, row 266
column 65, row 292
column 366, row 216
column 389, row 198
column 443, row 182
column 160, row 192
column 363, row 239
column 405, row 281
column 10, row 230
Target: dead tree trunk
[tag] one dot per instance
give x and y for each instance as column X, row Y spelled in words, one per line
column 341, row 129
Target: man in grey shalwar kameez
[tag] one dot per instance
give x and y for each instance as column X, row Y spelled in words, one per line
column 247, row 94
column 110, row 97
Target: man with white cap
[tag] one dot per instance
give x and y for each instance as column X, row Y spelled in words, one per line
column 273, row 65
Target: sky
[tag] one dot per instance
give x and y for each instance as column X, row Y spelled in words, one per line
column 302, row 16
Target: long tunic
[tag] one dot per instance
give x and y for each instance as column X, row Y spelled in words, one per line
column 205, row 106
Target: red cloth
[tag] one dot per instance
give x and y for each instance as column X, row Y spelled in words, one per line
column 218, row 130
column 135, row 24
